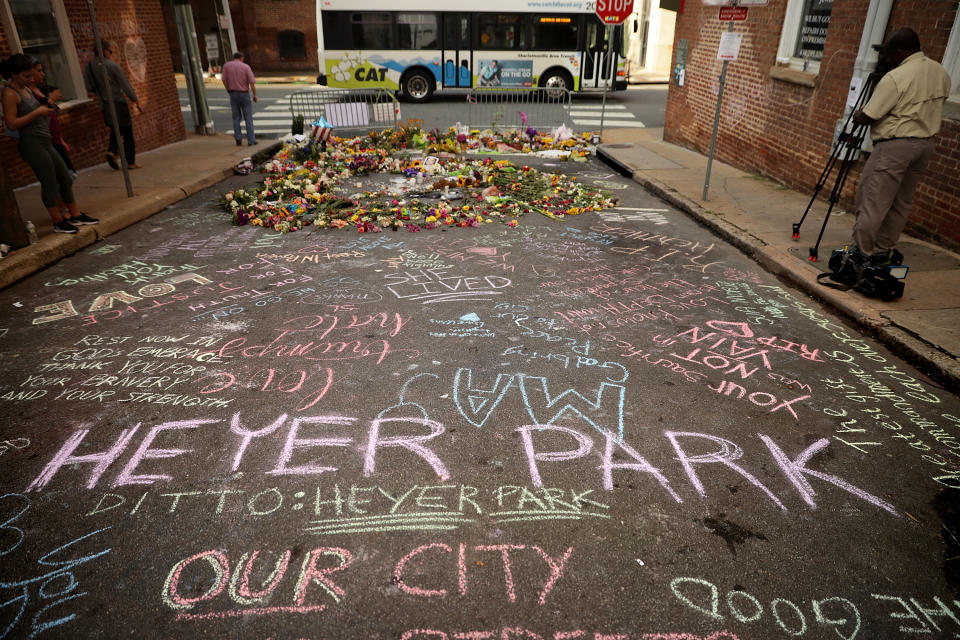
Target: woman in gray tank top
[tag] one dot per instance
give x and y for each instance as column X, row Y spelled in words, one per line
column 22, row 112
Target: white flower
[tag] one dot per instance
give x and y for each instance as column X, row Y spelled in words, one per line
column 228, row 197
column 310, row 188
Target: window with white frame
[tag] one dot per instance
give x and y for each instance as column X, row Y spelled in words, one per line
column 40, row 28
column 951, row 59
column 804, row 33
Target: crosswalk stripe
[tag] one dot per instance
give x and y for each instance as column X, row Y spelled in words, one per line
column 619, row 115
column 611, row 123
column 599, row 107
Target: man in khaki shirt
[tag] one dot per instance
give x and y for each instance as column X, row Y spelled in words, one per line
column 904, row 115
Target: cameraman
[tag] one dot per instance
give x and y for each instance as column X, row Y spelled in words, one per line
column 904, row 115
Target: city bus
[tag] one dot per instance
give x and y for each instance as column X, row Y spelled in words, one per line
column 424, row 47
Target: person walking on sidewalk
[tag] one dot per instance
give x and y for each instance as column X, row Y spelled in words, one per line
column 23, row 112
column 239, row 82
column 120, row 90
column 904, row 115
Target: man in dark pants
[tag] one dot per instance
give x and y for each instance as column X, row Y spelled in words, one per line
column 904, row 115
column 120, row 90
column 239, row 81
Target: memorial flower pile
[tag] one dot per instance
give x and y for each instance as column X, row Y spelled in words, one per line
column 416, row 181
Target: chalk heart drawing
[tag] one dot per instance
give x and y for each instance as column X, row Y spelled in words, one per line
column 135, row 52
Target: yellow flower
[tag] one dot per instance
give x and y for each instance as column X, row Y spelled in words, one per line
column 430, row 219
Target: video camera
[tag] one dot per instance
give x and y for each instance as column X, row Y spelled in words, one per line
column 883, row 65
column 855, row 270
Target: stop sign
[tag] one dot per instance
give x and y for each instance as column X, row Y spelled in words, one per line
column 614, row 11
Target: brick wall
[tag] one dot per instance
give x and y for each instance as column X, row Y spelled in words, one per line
column 785, row 130
column 139, row 38
column 257, row 24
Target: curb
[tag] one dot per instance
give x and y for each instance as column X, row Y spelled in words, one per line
column 29, row 260
column 912, row 348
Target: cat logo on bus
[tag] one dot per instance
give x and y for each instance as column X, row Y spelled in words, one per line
column 370, row 74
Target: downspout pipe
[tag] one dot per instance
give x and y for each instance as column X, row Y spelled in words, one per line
column 875, row 25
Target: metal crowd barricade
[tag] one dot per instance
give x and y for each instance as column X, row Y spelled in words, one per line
column 502, row 108
column 347, row 110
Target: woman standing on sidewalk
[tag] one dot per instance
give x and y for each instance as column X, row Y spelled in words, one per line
column 22, row 112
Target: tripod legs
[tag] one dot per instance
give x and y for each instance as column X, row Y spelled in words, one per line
column 848, row 144
column 853, row 144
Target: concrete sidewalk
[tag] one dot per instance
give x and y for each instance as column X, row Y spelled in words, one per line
column 169, row 174
column 756, row 215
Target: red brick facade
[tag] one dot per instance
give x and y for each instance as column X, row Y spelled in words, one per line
column 138, row 34
column 257, row 26
column 783, row 129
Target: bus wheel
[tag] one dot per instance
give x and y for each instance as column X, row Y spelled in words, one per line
column 556, row 84
column 417, row 86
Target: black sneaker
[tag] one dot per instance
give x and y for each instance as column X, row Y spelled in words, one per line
column 64, row 227
column 83, row 219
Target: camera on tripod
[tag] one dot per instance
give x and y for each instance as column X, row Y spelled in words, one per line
column 883, row 65
column 845, row 152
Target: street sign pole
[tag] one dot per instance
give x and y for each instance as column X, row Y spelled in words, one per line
column 609, row 83
column 716, row 121
column 611, row 13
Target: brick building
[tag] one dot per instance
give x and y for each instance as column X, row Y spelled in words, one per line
column 279, row 35
column 60, row 34
column 787, row 92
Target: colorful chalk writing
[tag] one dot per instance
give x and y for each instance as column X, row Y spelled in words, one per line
column 54, row 590
column 430, row 286
column 906, row 615
column 606, row 427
